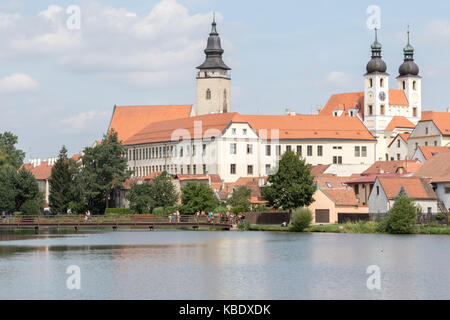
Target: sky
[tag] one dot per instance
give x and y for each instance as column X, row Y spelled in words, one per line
column 59, row 80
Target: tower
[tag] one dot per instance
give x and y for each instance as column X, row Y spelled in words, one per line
column 410, row 82
column 213, row 79
column 376, row 97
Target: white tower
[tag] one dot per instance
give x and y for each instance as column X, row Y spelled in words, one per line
column 376, row 97
column 411, row 83
column 213, row 79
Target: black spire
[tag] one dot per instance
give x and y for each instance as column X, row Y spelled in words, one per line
column 376, row 64
column 214, row 51
column 408, row 67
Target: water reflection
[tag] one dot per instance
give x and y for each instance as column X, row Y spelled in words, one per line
column 222, row 265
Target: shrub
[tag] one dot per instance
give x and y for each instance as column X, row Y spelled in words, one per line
column 159, row 211
column 221, row 209
column 119, row 211
column 30, row 207
column 383, row 225
column 261, row 208
column 244, row 226
column 361, row 227
column 238, row 209
column 301, row 219
column 440, row 217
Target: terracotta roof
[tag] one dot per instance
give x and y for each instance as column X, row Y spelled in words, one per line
column 257, row 200
column 215, row 181
column 437, row 168
column 183, row 177
column 370, row 178
column 212, row 125
column 128, row 182
column 355, row 100
column 341, row 197
column 440, row 119
column 404, row 136
column 409, row 166
column 319, row 169
column 250, row 182
column 415, row 187
column 77, row 156
column 430, row 151
column 41, row 172
column 399, row 122
column 330, row 181
column 288, row 127
column 129, row 120
column 310, row 127
column 345, row 102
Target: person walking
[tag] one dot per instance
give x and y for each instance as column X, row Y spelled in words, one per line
column 87, row 215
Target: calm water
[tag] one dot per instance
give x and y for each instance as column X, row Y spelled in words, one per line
column 223, row 265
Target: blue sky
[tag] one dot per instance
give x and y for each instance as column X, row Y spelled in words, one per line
column 58, row 86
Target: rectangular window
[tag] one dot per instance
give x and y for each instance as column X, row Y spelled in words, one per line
column 364, row 151
column 204, row 149
column 447, row 190
column 357, row 152
column 356, row 189
column 337, row 160
column 414, row 112
column 319, row 151
column 378, row 190
column 267, row 169
column 194, row 169
column 268, row 151
column 249, row 170
column 193, row 150
column 181, row 152
column 398, row 156
column 233, row 148
column 244, row 132
column 309, row 151
column 233, row 131
column 288, row 148
column 233, row 168
column 188, row 169
column 299, row 151
column 278, row 150
column 382, row 109
column 249, row 149
column 204, row 169
column 370, row 109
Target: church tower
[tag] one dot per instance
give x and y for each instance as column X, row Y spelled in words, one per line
column 410, row 82
column 376, row 97
column 213, row 79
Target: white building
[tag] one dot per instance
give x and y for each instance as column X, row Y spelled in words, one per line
column 383, row 110
column 398, row 148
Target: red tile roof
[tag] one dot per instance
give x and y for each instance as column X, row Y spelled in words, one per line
column 128, row 182
column 355, row 100
column 440, row 119
column 370, row 178
column 183, row 177
column 330, row 181
column 403, row 136
column 319, row 169
column 437, row 168
column 288, row 127
column 430, row 151
column 129, row 120
column 341, row 197
column 41, row 172
column 399, row 122
column 415, row 187
column 408, row 166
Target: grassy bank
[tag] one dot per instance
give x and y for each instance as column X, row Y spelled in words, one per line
column 359, row 227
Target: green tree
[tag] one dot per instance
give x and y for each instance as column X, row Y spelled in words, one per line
column 26, row 187
column 9, row 155
column 104, row 168
column 140, row 197
column 8, row 189
column 63, row 183
column 240, row 197
column 403, row 215
column 292, row 186
column 198, row 197
column 163, row 191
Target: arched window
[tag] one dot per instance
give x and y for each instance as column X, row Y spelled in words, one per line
column 208, row 94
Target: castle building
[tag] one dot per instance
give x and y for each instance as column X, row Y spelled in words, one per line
column 385, row 112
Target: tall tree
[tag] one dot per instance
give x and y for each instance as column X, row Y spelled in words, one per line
column 292, row 186
column 9, row 155
column 104, row 167
column 140, row 197
column 240, row 197
column 198, row 197
column 26, row 187
column 163, row 191
column 8, row 189
column 62, row 183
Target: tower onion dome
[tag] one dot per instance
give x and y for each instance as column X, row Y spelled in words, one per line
column 408, row 67
column 214, row 51
column 376, row 64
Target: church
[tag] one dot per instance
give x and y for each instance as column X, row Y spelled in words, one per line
column 385, row 112
column 210, row 138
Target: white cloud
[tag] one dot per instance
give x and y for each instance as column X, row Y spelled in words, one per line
column 83, row 121
column 8, row 20
column 18, row 82
column 114, row 41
